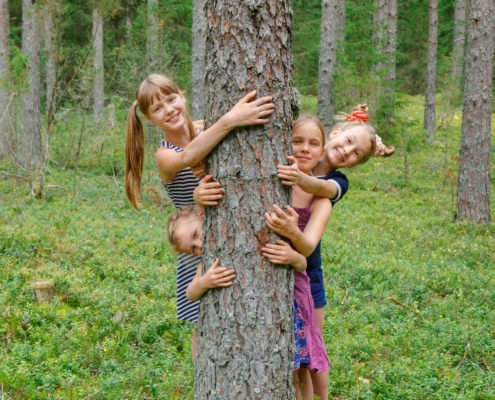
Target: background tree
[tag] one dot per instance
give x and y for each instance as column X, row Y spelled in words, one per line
column 246, row 335
column 30, row 135
column 5, row 93
column 152, row 36
column 459, row 36
column 473, row 191
column 341, row 13
column 329, row 35
column 431, row 71
column 99, row 84
column 48, row 17
column 198, row 94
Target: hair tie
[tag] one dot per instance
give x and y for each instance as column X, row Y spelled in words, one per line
column 358, row 115
column 379, row 145
column 135, row 104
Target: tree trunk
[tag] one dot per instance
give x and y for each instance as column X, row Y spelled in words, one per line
column 329, row 35
column 152, row 42
column 473, row 190
column 5, row 92
column 341, row 17
column 198, row 94
column 50, row 55
column 128, row 21
column 431, row 70
column 245, row 347
column 459, row 36
column 391, row 41
column 30, row 136
column 379, row 33
column 99, row 102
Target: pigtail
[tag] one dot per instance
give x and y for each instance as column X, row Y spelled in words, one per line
column 385, row 151
column 134, row 155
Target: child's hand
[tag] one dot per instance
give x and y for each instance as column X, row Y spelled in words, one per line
column 199, row 124
column 280, row 253
column 218, row 277
column 281, row 223
column 208, row 192
column 245, row 113
column 198, row 170
column 290, row 173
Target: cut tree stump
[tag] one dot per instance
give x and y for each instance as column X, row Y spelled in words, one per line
column 44, row 291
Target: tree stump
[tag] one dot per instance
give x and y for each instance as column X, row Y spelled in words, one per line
column 44, row 291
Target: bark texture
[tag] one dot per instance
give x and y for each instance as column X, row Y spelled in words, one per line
column 431, row 71
column 198, row 94
column 245, row 348
column 50, row 54
column 5, row 93
column 473, row 190
column 152, row 40
column 385, row 34
column 329, row 35
column 128, row 21
column 342, row 24
column 459, row 36
column 30, row 136
column 98, row 89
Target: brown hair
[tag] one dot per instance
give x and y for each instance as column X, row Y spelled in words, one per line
column 385, row 151
column 152, row 87
column 176, row 217
column 304, row 118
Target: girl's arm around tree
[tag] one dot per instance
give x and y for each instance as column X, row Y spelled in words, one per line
column 283, row 253
column 244, row 113
column 214, row 277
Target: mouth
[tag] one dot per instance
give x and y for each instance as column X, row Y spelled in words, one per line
column 303, row 158
column 174, row 118
column 339, row 155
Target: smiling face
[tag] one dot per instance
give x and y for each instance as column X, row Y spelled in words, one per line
column 307, row 146
column 189, row 234
column 168, row 111
column 348, row 148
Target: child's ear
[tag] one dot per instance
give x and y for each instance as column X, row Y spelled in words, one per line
column 323, row 153
column 334, row 133
column 201, row 214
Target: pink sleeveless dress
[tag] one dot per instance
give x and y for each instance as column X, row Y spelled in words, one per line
column 318, row 357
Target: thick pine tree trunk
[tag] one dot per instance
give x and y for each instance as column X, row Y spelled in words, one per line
column 341, row 17
column 98, row 89
column 198, row 94
column 152, row 40
column 329, row 35
column 245, row 348
column 385, row 34
column 50, row 54
column 473, row 190
column 5, row 93
column 459, row 36
column 379, row 33
column 431, row 71
column 30, row 135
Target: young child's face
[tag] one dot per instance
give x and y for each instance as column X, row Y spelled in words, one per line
column 189, row 232
column 346, row 149
column 168, row 112
column 307, row 146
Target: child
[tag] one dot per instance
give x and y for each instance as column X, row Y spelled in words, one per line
column 162, row 103
column 185, row 233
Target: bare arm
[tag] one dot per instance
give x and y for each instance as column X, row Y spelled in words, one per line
column 169, row 162
column 214, row 277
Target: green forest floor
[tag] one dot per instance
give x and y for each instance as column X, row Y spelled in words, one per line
column 112, row 331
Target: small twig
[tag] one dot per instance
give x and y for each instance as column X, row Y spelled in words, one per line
column 401, row 304
column 7, row 108
column 464, row 356
column 91, row 395
column 345, row 297
column 425, row 236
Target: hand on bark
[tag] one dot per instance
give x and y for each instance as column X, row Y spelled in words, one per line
column 199, row 124
column 247, row 113
column 290, row 174
column 282, row 223
column 218, row 277
column 198, row 170
column 208, row 192
column 280, row 253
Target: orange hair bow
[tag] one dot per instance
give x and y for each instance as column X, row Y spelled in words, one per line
column 358, row 115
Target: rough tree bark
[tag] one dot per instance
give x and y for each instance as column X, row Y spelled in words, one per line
column 50, row 54
column 431, row 71
column 5, row 93
column 98, row 89
column 245, row 348
column 473, row 185
column 198, row 94
column 329, row 35
column 459, row 36
column 385, row 34
column 342, row 24
column 30, row 135
column 152, row 39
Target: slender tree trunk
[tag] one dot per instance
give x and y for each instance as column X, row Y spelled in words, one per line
column 459, row 36
column 341, row 12
column 245, row 348
column 431, row 71
column 198, row 94
column 329, row 35
column 5, row 92
column 128, row 21
column 30, row 136
column 391, row 41
column 379, row 32
column 152, row 40
column 99, row 102
column 50, row 54
column 473, row 187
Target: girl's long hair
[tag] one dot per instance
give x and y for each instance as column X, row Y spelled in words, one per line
column 152, row 87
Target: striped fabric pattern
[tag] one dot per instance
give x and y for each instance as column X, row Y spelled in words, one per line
column 180, row 191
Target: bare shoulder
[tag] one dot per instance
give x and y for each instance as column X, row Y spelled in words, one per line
column 322, row 203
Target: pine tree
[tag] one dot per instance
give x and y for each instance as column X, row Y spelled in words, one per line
column 48, row 16
column 459, row 36
column 431, row 71
column 98, row 89
column 152, row 42
column 5, row 92
column 198, row 94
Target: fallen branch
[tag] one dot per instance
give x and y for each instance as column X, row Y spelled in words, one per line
column 401, row 304
column 345, row 297
column 91, row 395
column 464, row 356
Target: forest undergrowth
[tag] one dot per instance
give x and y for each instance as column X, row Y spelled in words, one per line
column 411, row 306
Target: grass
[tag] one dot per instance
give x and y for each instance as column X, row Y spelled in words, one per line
column 111, row 331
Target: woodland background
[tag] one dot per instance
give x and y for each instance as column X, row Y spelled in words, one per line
column 111, row 331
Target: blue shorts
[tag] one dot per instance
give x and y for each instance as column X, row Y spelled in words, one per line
column 315, row 274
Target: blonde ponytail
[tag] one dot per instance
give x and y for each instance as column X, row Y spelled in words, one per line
column 134, row 155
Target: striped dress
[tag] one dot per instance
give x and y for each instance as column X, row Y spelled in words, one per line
column 180, row 191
